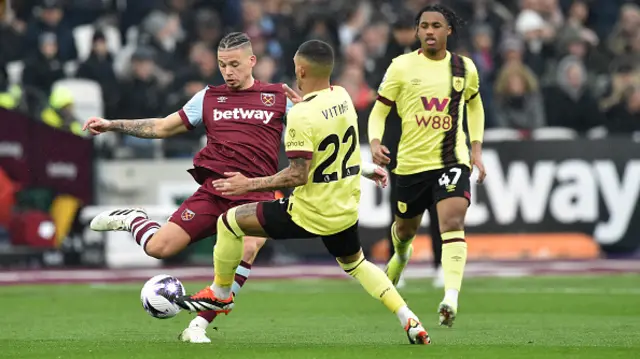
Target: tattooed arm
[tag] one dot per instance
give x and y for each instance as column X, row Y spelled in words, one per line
column 295, row 175
column 143, row 128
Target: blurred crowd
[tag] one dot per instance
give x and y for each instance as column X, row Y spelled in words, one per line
column 561, row 63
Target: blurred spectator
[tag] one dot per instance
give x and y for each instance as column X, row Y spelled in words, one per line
column 12, row 32
column 512, row 50
column 483, row 55
column 518, row 102
column 375, row 39
column 44, row 68
column 10, row 95
column 489, row 13
column 266, row 69
column 576, row 45
column 81, row 12
column 352, row 79
column 132, row 11
column 203, row 66
column 403, row 38
column 569, row 103
column 538, row 36
column 355, row 54
column 51, row 19
column 626, row 30
column 163, row 32
column 208, row 28
column 551, row 13
column 357, row 17
column 322, row 27
column 634, row 54
column 625, row 117
column 625, row 77
column 257, row 24
column 99, row 68
column 59, row 112
column 141, row 96
column 577, row 21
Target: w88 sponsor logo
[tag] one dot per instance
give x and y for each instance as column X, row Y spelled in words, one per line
column 437, row 122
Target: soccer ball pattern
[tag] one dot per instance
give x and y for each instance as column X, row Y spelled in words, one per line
column 158, row 296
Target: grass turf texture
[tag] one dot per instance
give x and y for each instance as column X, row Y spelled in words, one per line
column 548, row 317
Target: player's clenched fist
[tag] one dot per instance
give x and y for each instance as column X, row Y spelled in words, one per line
column 379, row 153
column 376, row 174
column 97, row 125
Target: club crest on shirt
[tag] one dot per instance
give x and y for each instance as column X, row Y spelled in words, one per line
column 402, row 207
column 187, row 215
column 292, row 133
column 458, row 83
column 268, row 99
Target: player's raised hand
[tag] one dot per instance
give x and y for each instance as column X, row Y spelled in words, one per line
column 375, row 173
column 291, row 94
column 379, row 153
column 97, row 125
column 236, row 184
column 476, row 161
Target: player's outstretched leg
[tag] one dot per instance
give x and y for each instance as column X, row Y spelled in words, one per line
column 134, row 220
column 196, row 331
column 227, row 255
column 451, row 213
column 403, row 232
column 376, row 283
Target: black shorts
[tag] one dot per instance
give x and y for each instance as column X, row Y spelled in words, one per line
column 418, row 192
column 277, row 223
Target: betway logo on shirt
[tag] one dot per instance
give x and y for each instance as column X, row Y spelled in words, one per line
column 243, row 114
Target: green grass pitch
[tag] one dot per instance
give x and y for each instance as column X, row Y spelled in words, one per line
column 543, row 317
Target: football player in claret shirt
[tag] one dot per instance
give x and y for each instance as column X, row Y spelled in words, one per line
column 325, row 168
column 431, row 88
column 244, row 120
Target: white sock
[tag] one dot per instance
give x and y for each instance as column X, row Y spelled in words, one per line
column 199, row 322
column 221, row 292
column 404, row 314
column 451, row 296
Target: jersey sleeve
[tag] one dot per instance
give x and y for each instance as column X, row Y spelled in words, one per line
column 390, row 85
column 298, row 140
column 472, row 89
column 191, row 112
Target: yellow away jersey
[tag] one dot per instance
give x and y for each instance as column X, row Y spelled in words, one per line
column 431, row 103
column 324, row 128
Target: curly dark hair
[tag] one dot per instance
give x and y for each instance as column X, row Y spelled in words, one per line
column 455, row 21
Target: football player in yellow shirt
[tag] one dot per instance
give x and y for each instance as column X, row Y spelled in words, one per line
column 324, row 167
column 431, row 88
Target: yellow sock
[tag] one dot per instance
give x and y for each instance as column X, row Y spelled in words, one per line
column 228, row 251
column 401, row 247
column 375, row 282
column 454, row 258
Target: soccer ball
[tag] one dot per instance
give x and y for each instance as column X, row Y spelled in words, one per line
column 158, row 296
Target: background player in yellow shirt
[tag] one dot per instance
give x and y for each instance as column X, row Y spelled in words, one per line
column 324, row 165
column 431, row 88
